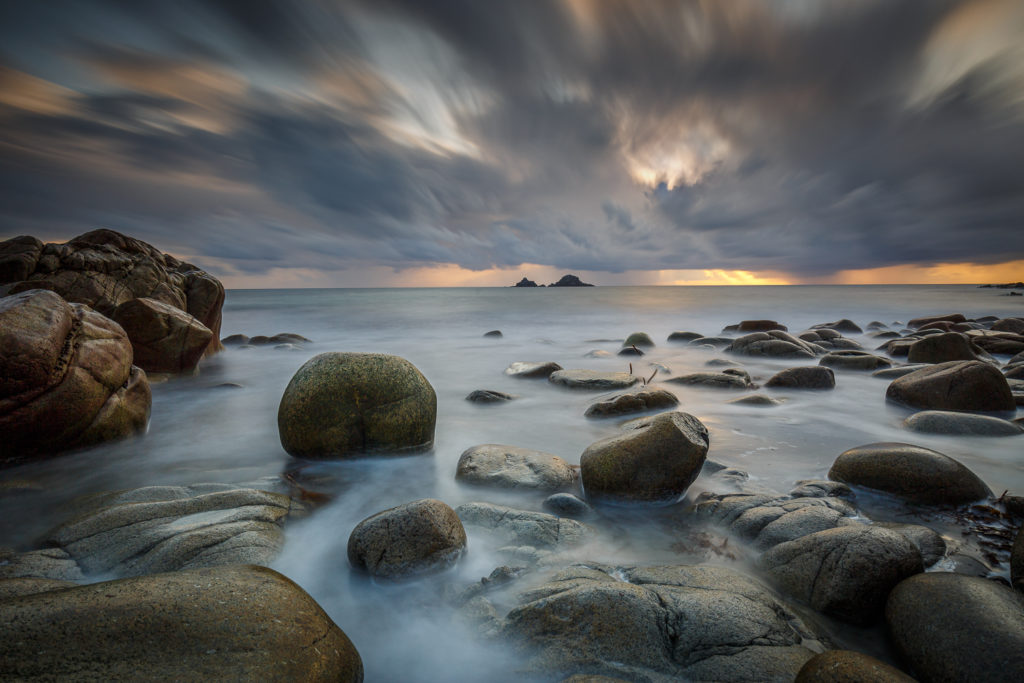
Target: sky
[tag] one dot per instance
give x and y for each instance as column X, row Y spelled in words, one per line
column 322, row 143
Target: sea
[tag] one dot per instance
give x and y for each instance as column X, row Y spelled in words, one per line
column 220, row 425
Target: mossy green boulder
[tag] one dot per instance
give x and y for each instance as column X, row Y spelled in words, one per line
column 341, row 405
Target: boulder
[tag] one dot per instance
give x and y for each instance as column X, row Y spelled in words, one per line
column 164, row 338
column 899, row 371
column 493, row 333
column 951, row 318
column 830, row 340
column 638, row 339
column 567, row 505
column 592, row 379
column 845, row 572
column 775, row 343
column 942, row 348
column 524, row 527
column 957, row 385
column 523, row 369
column 630, row 351
column 951, row 627
column 948, row 422
column 899, row 348
column 854, row 360
column 103, row 269
column 347, row 404
column 844, row 325
column 659, row 624
column 225, row 623
column 712, row 380
column 652, row 461
column 813, row 377
column 635, row 402
column 684, row 336
column 929, row 543
column 511, row 467
column 846, row 666
column 165, row 528
column 760, row 326
column 235, row 340
column 408, row 540
column 759, row 400
column 489, row 396
column 765, row 521
column 68, row 378
column 821, row 488
column 912, row 473
column 1014, row 325
column 712, row 342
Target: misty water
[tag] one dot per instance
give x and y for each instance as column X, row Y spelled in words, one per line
column 201, row 431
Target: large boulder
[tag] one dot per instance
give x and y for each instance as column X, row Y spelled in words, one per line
column 811, row 377
column 913, row 473
column 942, row 348
column 774, row 343
column 635, row 402
column 512, row 467
column 228, row 623
column 165, row 528
column 957, row 385
column 68, row 378
column 846, row 572
column 659, row 624
column 847, row 666
column 652, row 461
column 103, row 269
column 416, row 538
column 164, row 338
column 348, row 404
column 952, row 627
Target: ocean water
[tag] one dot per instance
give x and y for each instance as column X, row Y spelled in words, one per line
column 201, row 431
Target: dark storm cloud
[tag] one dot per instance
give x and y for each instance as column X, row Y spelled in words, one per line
column 798, row 136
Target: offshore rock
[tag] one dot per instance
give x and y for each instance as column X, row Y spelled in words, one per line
column 714, row 380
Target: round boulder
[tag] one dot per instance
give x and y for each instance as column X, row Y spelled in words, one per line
column 847, row 666
column 957, row 385
column 511, row 467
column 638, row 339
column 951, row 627
column 813, row 377
column 653, row 461
column 416, row 538
column 347, row 404
column 942, row 348
column 913, row 473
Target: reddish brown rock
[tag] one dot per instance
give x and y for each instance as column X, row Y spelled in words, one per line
column 164, row 338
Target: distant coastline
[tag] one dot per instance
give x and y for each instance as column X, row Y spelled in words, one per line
column 566, row 281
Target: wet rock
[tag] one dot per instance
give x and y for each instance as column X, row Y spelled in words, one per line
column 760, row 326
column 68, row 378
column 900, row 371
column 846, row 666
column 846, row 572
column 844, row 325
column 489, row 396
column 164, row 338
column 898, row 348
column 636, row 402
column 630, row 351
column 103, row 269
column 659, row 624
column 996, row 342
column 947, row 422
column 766, row 520
column 567, row 505
column 957, row 385
column 165, row 528
column 511, row 467
column 951, row 627
column 813, row 377
column 493, row 333
column 652, row 461
column 1014, row 372
column 524, row 527
column 408, row 540
column 887, row 334
column 820, row 488
column 18, row 258
column 759, row 400
column 854, row 360
column 525, row 369
column 684, row 336
column 593, row 379
column 713, row 342
column 942, row 348
column 235, row 340
column 347, row 404
column 1017, row 561
column 638, row 339
column 279, row 338
column 775, row 344
column 912, row 473
column 928, row 542
column 15, row 588
column 1014, row 325
column 227, row 623
column 951, row 318
column 49, row 563
column 712, row 380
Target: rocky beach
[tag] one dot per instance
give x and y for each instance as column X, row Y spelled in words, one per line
column 572, row 483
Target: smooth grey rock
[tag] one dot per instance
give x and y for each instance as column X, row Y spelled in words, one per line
column 48, row 563
column 713, row 380
column 845, row 572
column 408, row 540
column 957, row 385
column 812, row 377
column 567, row 505
column 524, row 527
column 659, row 624
column 929, row 542
column 635, row 402
column 592, row 379
column 821, row 488
column 915, row 474
column 854, row 360
column 528, row 370
column 942, row 348
column 493, row 333
column 652, row 461
column 927, row 320
column 511, row 467
column 951, row 627
column 961, row 424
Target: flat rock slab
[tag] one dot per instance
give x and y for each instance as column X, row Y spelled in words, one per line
column 524, row 527
column 165, row 528
column 713, row 380
column 511, row 467
column 765, row 520
column 592, row 379
column 224, row 623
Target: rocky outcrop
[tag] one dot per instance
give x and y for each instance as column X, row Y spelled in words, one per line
column 652, row 461
column 526, row 283
column 913, row 473
column 104, row 269
column 511, row 467
column 164, row 339
column 416, row 538
column 636, row 402
column 166, row 528
column 951, row 627
column 227, row 623
column 570, row 281
column 342, row 405
column 659, row 624
column 957, row 385
column 68, row 378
